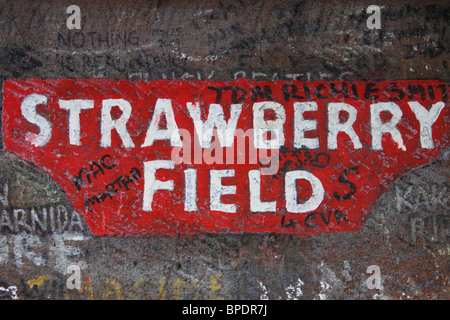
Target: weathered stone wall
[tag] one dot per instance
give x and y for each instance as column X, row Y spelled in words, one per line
column 406, row 234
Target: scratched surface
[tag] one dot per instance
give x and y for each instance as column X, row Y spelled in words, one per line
column 406, row 233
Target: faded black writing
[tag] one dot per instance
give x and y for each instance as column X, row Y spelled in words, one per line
column 55, row 218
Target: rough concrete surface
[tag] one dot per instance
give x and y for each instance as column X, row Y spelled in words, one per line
column 406, row 234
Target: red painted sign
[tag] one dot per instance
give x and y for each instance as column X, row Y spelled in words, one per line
column 184, row 157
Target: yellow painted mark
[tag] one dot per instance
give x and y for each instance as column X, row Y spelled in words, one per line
column 179, row 283
column 87, row 288
column 162, row 289
column 196, row 286
column 38, row 280
column 444, row 252
column 117, row 289
column 214, row 287
column 136, row 285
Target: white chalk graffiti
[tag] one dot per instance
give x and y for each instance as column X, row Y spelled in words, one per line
column 22, row 249
column 12, row 290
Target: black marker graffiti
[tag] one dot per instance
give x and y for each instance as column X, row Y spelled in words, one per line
column 351, row 185
column 114, row 187
column 94, row 169
column 326, row 218
column 299, row 158
column 310, row 218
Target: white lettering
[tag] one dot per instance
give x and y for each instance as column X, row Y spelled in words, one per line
column 216, row 119
column 335, row 126
column 302, row 125
column 379, row 128
column 313, row 202
column 75, row 106
column 256, row 205
column 107, row 123
column 151, row 184
column 154, row 132
column 217, row 190
column 262, row 127
column 28, row 108
column 426, row 119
